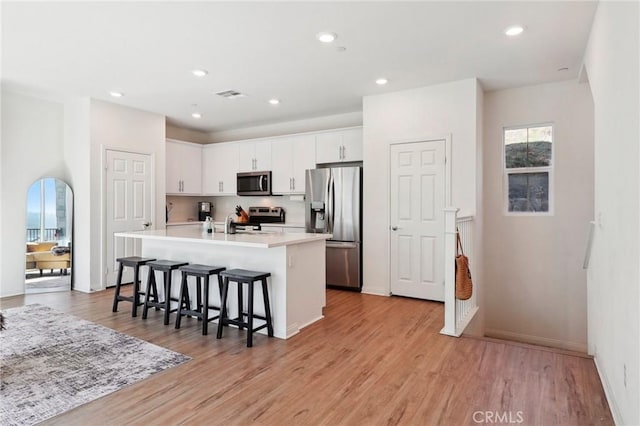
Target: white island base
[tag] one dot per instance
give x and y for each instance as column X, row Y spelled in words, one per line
column 296, row 263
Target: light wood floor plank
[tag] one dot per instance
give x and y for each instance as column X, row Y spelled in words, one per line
column 371, row 361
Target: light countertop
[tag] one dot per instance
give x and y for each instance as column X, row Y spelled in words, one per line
column 281, row 225
column 260, row 239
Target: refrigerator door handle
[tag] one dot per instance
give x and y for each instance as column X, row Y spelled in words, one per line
column 330, row 205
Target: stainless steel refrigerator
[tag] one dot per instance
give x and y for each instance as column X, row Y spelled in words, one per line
column 332, row 205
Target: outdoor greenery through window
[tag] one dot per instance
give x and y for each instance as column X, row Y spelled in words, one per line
column 528, row 165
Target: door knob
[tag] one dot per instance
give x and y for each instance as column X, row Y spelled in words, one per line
column 146, row 224
column 394, row 228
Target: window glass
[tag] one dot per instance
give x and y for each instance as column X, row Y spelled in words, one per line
column 528, row 159
column 528, row 147
column 529, row 192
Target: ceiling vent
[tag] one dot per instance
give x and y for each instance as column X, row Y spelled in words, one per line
column 231, row 94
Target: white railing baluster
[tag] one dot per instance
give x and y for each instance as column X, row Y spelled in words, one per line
column 457, row 313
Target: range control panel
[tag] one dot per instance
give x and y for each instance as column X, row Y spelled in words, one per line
column 266, row 215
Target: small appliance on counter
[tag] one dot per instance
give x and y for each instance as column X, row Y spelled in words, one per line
column 266, row 215
column 205, row 208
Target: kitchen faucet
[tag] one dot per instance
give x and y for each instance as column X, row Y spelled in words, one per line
column 229, row 226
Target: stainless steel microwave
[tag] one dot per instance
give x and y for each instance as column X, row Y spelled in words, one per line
column 254, row 183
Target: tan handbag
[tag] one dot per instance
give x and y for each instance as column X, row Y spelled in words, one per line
column 464, row 286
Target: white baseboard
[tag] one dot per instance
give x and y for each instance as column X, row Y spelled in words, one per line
column 615, row 411
column 536, row 340
column 375, row 291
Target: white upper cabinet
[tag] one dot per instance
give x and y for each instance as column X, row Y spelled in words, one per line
column 254, row 156
column 183, row 168
column 220, row 168
column 339, row 146
column 291, row 157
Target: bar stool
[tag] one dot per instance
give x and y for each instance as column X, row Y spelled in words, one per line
column 167, row 267
column 134, row 262
column 202, row 299
column 242, row 276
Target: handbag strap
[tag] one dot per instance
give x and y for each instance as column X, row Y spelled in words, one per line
column 459, row 249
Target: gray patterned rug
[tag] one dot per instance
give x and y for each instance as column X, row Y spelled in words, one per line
column 51, row 362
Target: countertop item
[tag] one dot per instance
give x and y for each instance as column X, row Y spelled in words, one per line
column 262, row 239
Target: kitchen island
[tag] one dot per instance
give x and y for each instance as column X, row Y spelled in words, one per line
column 296, row 262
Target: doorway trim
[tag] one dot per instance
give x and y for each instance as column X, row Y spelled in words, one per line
column 447, row 184
column 103, row 202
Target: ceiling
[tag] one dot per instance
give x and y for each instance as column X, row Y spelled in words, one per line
column 265, row 50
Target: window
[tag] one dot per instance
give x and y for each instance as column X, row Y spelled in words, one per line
column 528, row 166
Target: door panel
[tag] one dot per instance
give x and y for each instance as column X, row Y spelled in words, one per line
column 128, row 208
column 417, row 196
column 343, row 264
column 346, row 200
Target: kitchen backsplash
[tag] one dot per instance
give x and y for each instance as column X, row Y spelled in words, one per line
column 183, row 209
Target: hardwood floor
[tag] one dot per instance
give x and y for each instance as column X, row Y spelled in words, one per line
column 372, row 360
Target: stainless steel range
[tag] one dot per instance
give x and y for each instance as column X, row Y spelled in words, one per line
column 266, row 215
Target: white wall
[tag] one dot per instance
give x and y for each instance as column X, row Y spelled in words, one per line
column 29, row 152
column 188, row 135
column 535, row 287
column 328, row 122
column 127, row 129
column 413, row 115
column 612, row 62
column 77, row 144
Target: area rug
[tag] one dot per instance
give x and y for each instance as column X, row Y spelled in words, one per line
column 51, row 362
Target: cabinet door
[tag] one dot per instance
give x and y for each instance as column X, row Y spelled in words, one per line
column 172, row 171
column 210, row 172
column 246, row 156
column 352, row 145
column 220, row 167
column 191, row 166
column 282, row 162
column 262, row 156
column 328, row 147
column 227, row 163
column 304, row 150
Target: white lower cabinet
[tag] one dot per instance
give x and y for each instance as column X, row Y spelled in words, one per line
column 220, row 168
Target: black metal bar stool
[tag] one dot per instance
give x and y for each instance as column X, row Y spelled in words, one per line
column 151, row 296
column 242, row 276
column 202, row 299
column 134, row 262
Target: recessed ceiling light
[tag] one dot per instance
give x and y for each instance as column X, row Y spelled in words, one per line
column 382, row 81
column 274, row 101
column 326, row 37
column 116, row 94
column 514, row 30
column 200, row 73
column 196, row 115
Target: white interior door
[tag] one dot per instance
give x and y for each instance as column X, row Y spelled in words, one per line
column 128, row 206
column 417, row 198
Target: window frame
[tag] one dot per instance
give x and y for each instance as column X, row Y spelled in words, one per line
column 523, row 170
